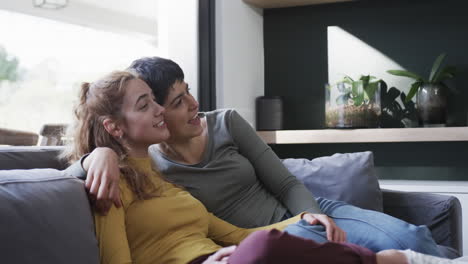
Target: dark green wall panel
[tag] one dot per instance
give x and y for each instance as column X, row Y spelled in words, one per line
column 411, row 33
column 416, row 161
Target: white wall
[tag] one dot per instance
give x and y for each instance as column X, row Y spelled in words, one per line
column 178, row 36
column 239, row 56
column 345, row 51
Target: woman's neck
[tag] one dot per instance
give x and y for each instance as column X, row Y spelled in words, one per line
column 138, row 153
column 187, row 151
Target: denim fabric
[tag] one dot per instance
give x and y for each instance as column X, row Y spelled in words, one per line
column 373, row 230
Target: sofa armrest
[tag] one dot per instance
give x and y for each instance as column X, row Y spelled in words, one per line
column 440, row 213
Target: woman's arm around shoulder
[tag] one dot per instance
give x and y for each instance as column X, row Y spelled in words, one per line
column 100, row 170
column 226, row 234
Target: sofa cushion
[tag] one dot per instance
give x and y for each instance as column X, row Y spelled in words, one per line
column 32, row 157
column 348, row 177
column 45, row 217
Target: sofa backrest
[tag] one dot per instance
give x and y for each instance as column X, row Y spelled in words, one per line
column 32, row 157
column 45, row 217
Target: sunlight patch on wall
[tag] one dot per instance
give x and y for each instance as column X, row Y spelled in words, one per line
column 348, row 55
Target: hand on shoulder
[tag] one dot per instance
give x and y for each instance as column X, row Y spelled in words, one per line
column 103, row 178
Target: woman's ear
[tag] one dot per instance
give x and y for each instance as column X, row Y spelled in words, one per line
column 112, row 128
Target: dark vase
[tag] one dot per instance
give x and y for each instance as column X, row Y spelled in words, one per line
column 431, row 101
column 269, row 113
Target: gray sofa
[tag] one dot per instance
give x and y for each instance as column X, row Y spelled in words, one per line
column 45, row 216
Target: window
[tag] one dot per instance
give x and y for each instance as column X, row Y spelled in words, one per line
column 54, row 59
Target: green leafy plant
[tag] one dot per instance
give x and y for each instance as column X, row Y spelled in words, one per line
column 393, row 113
column 353, row 92
column 437, row 76
column 356, row 103
column 8, row 66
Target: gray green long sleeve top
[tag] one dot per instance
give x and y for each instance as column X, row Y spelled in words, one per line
column 240, row 179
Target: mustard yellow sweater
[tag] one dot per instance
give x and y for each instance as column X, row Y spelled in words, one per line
column 171, row 228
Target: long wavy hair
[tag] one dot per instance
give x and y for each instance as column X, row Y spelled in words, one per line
column 98, row 101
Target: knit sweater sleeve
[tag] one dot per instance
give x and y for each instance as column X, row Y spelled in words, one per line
column 269, row 168
column 76, row 169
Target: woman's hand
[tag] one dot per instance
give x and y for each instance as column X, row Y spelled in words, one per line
column 221, row 256
column 334, row 233
column 103, row 178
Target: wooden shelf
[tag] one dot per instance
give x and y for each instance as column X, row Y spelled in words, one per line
column 289, row 3
column 378, row 135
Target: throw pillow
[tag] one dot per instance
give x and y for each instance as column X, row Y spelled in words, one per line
column 348, row 177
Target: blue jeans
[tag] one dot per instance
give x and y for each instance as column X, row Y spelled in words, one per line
column 373, row 230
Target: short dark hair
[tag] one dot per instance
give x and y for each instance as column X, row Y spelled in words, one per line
column 159, row 73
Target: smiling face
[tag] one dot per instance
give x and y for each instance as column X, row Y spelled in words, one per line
column 182, row 113
column 143, row 119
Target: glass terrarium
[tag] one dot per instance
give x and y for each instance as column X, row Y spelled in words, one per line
column 353, row 104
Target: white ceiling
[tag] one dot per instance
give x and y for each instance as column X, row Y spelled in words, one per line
column 141, row 8
column 131, row 16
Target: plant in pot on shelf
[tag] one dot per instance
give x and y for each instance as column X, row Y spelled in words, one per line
column 431, row 94
column 353, row 103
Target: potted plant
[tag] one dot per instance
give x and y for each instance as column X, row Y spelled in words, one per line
column 353, row 104
column 431, row 93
